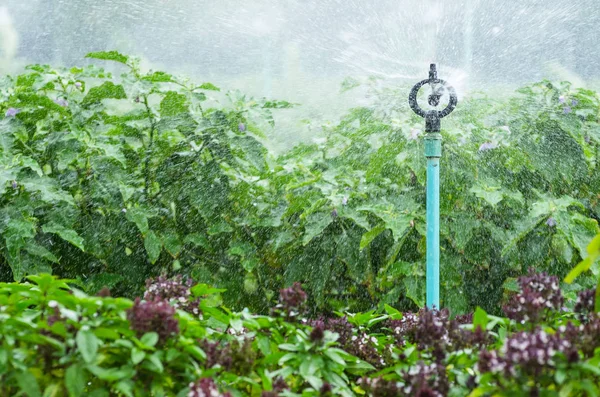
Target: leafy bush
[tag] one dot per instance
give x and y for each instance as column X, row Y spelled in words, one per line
column 57, row 341
column 114, row 180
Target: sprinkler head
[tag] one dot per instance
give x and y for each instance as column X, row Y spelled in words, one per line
column 432, row 117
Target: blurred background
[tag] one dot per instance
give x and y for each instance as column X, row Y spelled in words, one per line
column 301, row 50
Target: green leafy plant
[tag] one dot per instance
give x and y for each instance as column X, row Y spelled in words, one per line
column 111, row 180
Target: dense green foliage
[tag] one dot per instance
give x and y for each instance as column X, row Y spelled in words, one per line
column 180, row 341
column 111, row 180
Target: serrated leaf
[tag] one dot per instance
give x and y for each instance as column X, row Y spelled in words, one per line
column 173, row 104
column 108, row 90
column 209, row 86
column 315, row 224
column 109, row 56
column 159, row 77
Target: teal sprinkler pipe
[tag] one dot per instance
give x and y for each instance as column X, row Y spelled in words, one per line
column 433, row 152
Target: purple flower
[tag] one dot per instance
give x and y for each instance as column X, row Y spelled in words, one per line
column 334, row 213
column 326, row 390
column 561, row 99
column 12, row 112
column 153, row 316
column 176, row 291
column 242, row 127
column 574, row 102
column 529, row 352
column 235, row 356
column 292, row 302
column 78, row 85
column 551, row 222
column 567, row 110
column 487, row 146
column 318, row 332
column 539, row 294
column 206, row 387
column 586, row 300
column 14, row 184
column 345, row 201
column 61, row 102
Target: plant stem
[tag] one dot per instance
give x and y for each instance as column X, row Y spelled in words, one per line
column 147, row 176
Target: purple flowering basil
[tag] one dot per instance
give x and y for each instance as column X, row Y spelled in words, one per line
column 326, row 390
column 487, row 146
column 561, row 99
column 176, row 291
column 61, row 102
column 567, row 110
column 104, row 292
column 379, row 387
column 528, row 353
column 153, row 316
column 426, row 380
column 318, row 332
column 551, row 222
column 292, row 302
column 539, row 294
column 242, row 127
column 236, row 357
column 206, row 387
column 12, row 112
column 586, row 300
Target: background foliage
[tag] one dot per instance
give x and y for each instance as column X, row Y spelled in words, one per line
column 111, row 180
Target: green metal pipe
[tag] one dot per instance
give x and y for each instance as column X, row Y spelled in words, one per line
column 433, row 152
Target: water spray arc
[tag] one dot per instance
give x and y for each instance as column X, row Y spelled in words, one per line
column 433, row 153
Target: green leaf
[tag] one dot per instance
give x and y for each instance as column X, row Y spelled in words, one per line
column 149, row 339
column 137, row 355
column 139, row 217
column 315, row 224
column 155, row 360
column 394, row 313
column 173, row 104
column 153, row 246
column 172, row 244
column 491, row 194
column 209, row 86
column 369, row 236
column 28, row 384
column 480, row 318
column 581, row 267
column 66, row 234
column 108, row 90
column 159, row 77
column 108, row 56
column 38, row 250
column 87, row 343
column 75, row 380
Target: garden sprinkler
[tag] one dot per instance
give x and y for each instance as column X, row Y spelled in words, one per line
column 433, row 152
